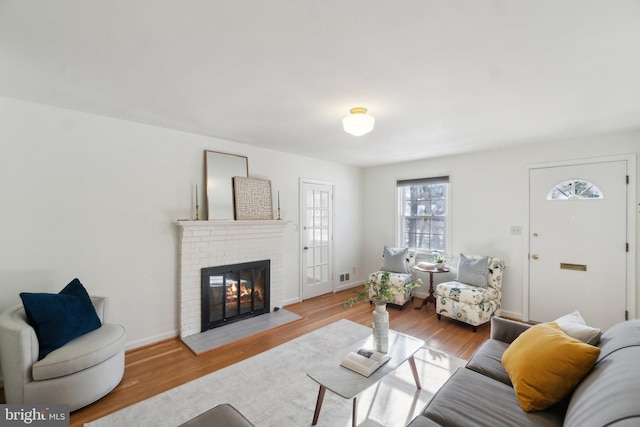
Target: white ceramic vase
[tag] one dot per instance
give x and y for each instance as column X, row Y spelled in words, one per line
column 381, row 328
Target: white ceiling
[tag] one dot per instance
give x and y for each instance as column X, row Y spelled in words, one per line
column 440, row 76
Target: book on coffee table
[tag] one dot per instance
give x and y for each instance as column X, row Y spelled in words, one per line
column 364, row 361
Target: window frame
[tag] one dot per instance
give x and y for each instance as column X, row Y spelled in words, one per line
column 400, row 217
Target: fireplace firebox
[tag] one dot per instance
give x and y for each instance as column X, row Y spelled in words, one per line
column 234, row 292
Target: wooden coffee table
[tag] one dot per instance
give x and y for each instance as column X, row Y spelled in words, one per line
column 348, row 384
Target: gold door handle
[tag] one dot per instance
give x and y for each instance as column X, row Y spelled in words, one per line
column 535, row 256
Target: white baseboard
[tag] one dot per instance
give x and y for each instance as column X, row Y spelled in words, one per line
column 419, row 294
column 338, row 288
column 290, row 301
column 151, row 340
column 511, row 314
column 348, row 285
column 171, row 334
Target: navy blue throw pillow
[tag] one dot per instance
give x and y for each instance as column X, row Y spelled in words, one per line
column 59, row 318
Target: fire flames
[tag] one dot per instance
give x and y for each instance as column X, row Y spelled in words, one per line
column 245, row 293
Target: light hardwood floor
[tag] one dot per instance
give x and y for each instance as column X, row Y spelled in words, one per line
column 159, row 367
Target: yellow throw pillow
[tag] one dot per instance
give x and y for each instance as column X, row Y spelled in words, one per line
column 545, row 364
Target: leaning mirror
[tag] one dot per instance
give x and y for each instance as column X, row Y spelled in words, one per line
column 220, row 168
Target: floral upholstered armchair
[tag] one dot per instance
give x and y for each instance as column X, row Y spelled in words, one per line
column 399, row 263
column 476, row 294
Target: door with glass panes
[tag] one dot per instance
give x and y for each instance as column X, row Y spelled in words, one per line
column 577, row 242
column 317, row 239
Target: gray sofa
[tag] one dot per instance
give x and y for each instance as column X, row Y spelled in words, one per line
column 481, row 394
column 77, row 374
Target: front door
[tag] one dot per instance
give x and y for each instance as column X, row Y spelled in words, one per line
column 317, row 239
column 577, row 242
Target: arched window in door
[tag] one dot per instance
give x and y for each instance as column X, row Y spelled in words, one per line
column 574, row 189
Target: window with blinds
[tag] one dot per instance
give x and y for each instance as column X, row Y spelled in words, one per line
column 423, row 207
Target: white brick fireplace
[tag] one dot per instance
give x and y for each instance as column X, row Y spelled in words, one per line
column 216, row 243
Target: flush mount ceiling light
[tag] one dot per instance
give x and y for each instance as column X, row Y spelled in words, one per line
column 358, row 122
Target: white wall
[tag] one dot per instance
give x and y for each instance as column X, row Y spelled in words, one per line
column 488, row 195
column 97, row 198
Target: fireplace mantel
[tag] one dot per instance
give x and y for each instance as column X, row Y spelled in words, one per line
column 214, row 243
column 233, row 223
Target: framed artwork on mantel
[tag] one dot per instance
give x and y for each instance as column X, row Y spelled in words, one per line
column 252, row 198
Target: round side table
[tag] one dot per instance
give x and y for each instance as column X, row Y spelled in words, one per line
column 431, row 271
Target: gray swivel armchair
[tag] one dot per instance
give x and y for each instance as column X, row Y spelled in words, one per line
column 77, row 374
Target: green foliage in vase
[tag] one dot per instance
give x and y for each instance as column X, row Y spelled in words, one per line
column 380, row 291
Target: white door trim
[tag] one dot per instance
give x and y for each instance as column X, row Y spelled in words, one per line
column 301, row 279
column 631, row 227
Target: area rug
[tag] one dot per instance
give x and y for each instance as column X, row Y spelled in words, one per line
column 272, row 388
